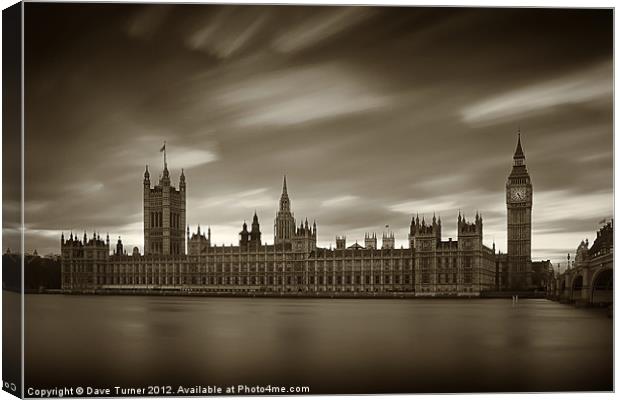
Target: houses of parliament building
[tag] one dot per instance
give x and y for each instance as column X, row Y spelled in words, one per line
column 175, row 259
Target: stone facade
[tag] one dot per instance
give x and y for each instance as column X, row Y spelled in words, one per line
column 164, row 214
column 429, row 266
column 519, row 223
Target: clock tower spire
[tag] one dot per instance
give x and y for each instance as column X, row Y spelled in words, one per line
column 519, row 222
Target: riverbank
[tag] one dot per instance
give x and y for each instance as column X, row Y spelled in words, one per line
column 319, row 295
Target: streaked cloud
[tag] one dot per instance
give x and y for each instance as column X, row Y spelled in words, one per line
column 228, row 31
column 339, row 201
column 147, row 22
column 298, row 95
column 188, row 158
column 426, row 206
column 321, row 27
column 250, row 199
column 559, row 205
column 591, row 84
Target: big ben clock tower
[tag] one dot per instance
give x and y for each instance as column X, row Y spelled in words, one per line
column 519, row 207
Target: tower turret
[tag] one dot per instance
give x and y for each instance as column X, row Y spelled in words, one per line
column 255, row 234
column 244, row 235
column 388, row 241
column 180, row 218
column 148, row 215
column 119, row 247
column 284, row 225
column 519, row 196
column 370, row 241
column 164, row 213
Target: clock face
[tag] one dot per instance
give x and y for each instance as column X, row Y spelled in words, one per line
column 518, row 194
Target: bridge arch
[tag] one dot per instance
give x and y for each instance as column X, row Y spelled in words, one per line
column 602, row 287
column 576, row 286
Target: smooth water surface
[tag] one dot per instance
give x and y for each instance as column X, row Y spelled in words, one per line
column 331, row 345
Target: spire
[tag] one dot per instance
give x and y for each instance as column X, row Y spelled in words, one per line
column 519, row 150
column 285, row 203
column 146, row 174
column 163, row 149
column 182, row 176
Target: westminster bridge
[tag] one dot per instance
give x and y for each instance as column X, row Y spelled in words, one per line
column 589, row 280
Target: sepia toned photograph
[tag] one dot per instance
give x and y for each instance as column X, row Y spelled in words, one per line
column 236, row 199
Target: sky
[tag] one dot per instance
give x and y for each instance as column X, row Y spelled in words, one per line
column 373, row 113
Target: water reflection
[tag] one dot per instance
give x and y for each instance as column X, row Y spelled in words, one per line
column 334, row 346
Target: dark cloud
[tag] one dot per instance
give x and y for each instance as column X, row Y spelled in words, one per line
column 373, row 113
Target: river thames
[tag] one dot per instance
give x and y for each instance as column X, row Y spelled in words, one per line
column 332, row 346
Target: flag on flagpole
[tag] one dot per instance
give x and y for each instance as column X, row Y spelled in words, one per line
column 163, row 148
